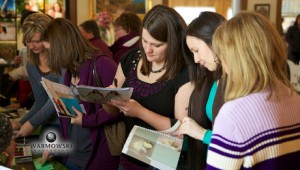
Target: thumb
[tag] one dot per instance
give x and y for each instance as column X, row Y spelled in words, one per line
column 78, row 113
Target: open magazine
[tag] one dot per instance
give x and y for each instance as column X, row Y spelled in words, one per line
column 64, row 97
column 158, row 149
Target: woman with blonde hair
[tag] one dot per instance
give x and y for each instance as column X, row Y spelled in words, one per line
column 258, row 126
column 42, row 111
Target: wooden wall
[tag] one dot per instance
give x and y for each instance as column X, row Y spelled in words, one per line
column 220, row 5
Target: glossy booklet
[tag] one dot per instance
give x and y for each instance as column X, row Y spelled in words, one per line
column 64, row 97
column 158, row 149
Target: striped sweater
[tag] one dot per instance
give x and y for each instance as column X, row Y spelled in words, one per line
column 254, row 132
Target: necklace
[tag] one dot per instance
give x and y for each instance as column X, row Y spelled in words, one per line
column 158, row 71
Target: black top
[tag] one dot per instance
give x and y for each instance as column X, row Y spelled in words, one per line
column 158, row 97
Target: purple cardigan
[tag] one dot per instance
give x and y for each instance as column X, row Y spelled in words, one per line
column 96, row 117
column 119, row 50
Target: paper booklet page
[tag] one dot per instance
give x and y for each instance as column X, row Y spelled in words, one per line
column 63, row 98
column 155, row 148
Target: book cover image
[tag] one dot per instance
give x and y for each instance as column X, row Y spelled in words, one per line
column 156, row 149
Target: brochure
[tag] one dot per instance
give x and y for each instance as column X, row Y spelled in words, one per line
column 155, row 148
column 64, row 97
column 103, row 95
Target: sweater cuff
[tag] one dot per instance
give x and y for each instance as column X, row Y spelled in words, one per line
column 207, row 137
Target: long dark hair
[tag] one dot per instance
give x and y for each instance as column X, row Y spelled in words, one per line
column 166, row 25
column 203, row 27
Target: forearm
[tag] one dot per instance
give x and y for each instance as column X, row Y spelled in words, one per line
column 31, row 112
column 157, row 121
column 43, row 114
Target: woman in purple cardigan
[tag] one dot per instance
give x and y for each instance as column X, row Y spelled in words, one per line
column 68, row 49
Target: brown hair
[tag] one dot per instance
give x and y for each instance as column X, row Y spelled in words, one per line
column 165, row 25
column 68, row 49
column 129, row 21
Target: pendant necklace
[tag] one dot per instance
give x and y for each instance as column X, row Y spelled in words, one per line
column 158, row 71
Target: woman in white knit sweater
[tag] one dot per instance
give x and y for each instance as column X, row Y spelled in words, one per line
column 259, row 125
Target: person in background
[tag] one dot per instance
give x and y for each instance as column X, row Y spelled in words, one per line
column 258, row 126
column 7, row 143
column 159, row 77
column 207, row 98
column 19, row 77
column 127, row 27
column 293, row 39
column 90, row 30
column 42, row 112
column 86, row 131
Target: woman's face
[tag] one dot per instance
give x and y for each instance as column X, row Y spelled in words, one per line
column 120, row 32
column 203, row 55
column 155, row 50
column 35, row 44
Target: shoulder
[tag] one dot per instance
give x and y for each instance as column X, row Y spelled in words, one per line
column 104, row 61
column 129, row 58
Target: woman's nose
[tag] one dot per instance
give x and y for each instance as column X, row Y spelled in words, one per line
column 148, row 48
column 196, row 59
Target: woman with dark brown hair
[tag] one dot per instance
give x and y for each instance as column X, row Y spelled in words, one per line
column 70, row 50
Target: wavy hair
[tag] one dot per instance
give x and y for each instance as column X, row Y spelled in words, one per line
column 34, row 23
column 252, row 53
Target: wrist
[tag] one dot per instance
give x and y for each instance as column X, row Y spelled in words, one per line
column 202, row 134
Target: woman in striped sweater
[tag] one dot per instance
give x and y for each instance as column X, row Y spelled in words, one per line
column 258, row 127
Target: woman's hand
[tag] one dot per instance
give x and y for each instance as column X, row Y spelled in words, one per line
column 191, row 128
column 78, row 119
column 15, row 125
column 46, row 155
column 26, row 129
column 130, row 108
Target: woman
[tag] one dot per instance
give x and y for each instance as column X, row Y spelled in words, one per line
column 158, row 74
column 68, row 49
column 37, row 67
column 207, row 98
column 127, row 27
column 90, row 30
column 258, row 126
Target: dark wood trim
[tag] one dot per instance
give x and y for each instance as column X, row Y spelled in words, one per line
column 165, row 2
column 244, row 5
column 279, row 17
column 71, row 10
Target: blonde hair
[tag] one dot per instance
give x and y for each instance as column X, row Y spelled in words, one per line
column 34, row 23
column 253, row 53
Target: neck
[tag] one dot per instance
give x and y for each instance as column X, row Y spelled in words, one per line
column 158, row 69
